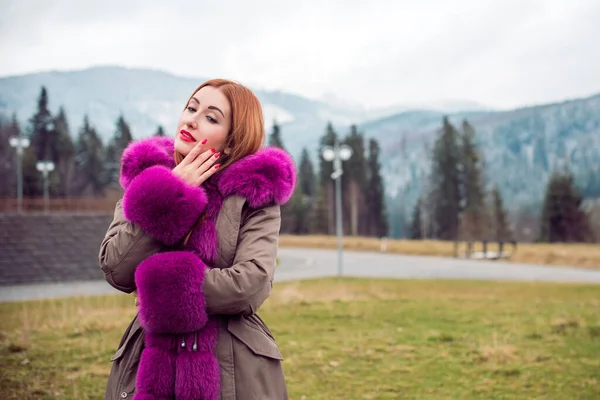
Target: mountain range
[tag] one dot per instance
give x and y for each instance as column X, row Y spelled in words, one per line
column 520, row 147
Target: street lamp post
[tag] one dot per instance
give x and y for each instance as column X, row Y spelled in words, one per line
column 337, row 154
column 20, row 143
column 45, row 167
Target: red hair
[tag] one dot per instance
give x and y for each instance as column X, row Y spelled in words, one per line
column 247, row 133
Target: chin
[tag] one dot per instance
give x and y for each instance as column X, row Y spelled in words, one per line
column 183, row 147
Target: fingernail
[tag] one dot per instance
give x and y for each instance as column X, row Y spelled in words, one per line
column 204, row 141
column 217, row 155
column 213, row 150
column 217, row 166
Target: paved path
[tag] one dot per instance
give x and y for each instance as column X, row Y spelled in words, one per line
column 315, row 262
column 312, row 263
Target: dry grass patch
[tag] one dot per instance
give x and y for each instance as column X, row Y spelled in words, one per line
column 561, row 254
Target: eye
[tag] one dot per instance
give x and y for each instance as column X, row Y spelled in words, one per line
column 211, row 119
column 191, row 109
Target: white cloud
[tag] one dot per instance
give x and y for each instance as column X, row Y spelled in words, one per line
column 500, row 53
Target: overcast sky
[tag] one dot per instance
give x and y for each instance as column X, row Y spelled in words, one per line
column 502, row 54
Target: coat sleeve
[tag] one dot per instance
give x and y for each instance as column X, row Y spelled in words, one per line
column 124, row 246
column 242, row 288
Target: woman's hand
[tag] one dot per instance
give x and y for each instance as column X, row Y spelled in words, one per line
column 197, row 167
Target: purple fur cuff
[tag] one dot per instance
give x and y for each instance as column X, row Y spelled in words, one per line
column 169, row 287
column 144, row 154
column 162, row 204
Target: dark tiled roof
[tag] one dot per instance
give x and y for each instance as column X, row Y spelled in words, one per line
column 37, row 248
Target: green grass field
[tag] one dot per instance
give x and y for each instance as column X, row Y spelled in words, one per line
column 349, row 339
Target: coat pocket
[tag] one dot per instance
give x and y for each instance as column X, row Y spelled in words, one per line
column 121, row 381
column 254, row 337
column 130, row 333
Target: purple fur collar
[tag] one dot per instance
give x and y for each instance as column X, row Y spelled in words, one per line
column 264, row 178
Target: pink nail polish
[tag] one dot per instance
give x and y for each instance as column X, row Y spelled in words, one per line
column 204, row 141
column 217, row 155
column 217, row 166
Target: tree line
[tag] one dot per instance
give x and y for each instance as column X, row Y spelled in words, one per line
column 457, row 204
column 86, row 167
column 83, row 167
column 311, row 209
column 456, row 201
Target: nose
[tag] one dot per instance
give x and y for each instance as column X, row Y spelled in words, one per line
column 190, row 120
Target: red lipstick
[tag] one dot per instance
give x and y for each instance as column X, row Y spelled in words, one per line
column 186, row 136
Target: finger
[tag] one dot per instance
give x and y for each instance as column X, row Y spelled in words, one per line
column 193, row 154
column 211, row 171
column 207, row 157
column 206, row 166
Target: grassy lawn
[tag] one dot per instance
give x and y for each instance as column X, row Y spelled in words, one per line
column 564, row 254
column 348, row 339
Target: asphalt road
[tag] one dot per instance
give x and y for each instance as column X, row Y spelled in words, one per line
column 309, row 263
column 312, row 263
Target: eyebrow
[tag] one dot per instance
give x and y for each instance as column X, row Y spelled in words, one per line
column 210, row 107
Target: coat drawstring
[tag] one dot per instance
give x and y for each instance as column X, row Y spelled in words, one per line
column 183, row 344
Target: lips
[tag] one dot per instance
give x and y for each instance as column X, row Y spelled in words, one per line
column 186, row 136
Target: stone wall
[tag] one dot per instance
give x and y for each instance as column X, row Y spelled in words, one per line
column 38, row 248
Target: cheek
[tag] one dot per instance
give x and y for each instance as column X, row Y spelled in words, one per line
column 218, row 134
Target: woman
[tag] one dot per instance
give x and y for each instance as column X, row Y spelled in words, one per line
column 195, row 237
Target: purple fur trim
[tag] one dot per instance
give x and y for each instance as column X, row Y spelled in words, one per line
column 162, row 204
column 169, row 287
column 156, row 374
column 263, row 178
column 169, row 371
column 204, row 241
column 197, row 376
column 143, row 154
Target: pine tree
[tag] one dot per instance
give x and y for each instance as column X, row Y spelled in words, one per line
column 446, row 183
column 122, row 137
column 320, row 213
column 501, row 232
column 306, row 175
column 300, row 209
column 42, row 132
column 65, row 167
column 89, row 159
column 416, row 231
column 326, row 184
column 562, row 219
column 275, row 136
column 305, row 197
column 375, row 193
column 288, row 210
column 354, row 182
column 159, row 131
column 32, row 181
column 8, row 157
column 474, row 219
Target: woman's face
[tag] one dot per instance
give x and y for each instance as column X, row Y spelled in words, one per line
column 206, row 116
